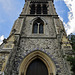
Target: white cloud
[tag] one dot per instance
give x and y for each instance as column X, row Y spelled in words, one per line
column 1, row 39
column 61, row 18
column 70, row 26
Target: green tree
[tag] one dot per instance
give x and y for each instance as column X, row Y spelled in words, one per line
column 72, row 63
column 72, row 58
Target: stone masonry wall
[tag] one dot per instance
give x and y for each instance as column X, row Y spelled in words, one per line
column 49, row 46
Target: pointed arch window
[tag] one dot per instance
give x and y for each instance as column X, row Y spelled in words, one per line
column 38, row 26
column 41, row 28
column 35, row 28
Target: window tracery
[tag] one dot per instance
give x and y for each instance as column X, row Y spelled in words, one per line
column 38, row 26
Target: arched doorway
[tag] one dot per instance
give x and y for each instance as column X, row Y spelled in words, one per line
column 37, row 67
column 37, row 59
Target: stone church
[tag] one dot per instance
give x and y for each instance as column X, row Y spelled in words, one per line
column 37, row 44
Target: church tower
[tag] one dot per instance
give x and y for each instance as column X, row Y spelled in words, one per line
column 37, row 44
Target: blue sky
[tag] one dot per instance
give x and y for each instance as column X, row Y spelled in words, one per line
column 11, row 9
column 62, row 10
